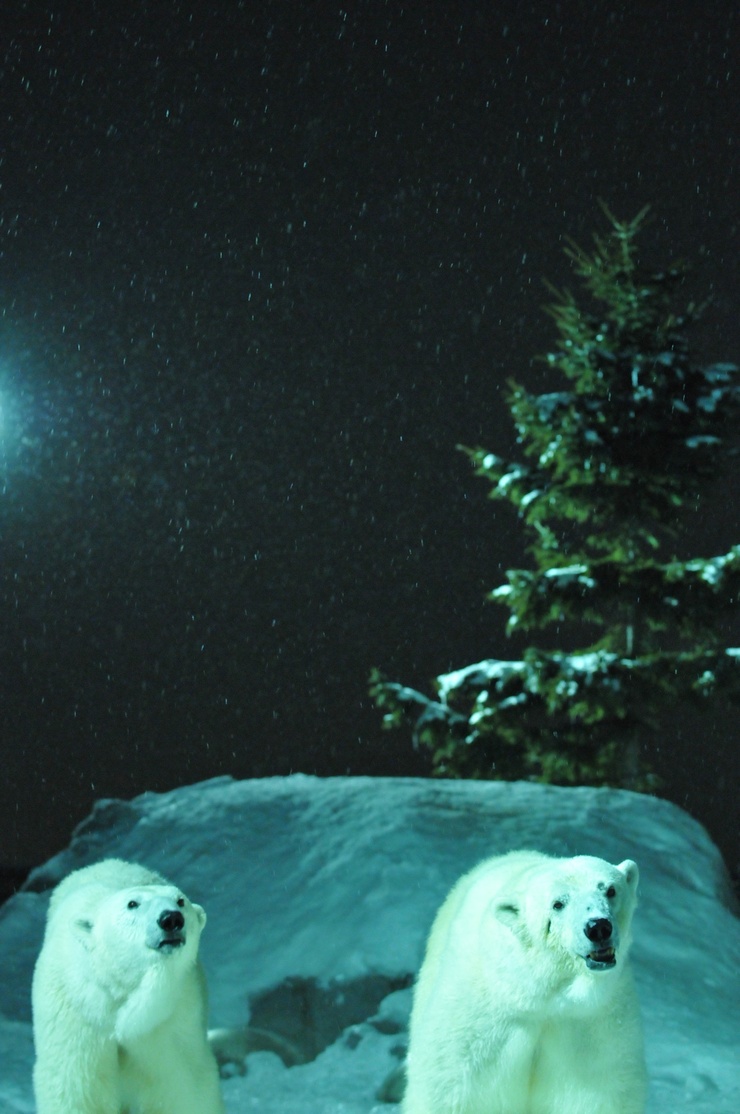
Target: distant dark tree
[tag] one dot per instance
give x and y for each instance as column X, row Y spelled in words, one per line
column 611, row 462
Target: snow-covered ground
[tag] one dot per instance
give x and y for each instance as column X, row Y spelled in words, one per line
column 321, row 892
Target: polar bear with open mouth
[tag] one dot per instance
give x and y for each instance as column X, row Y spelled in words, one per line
column 119, row 998
column 525, row 1002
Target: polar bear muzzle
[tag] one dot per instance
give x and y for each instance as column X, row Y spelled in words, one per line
column 600, row 931
column 169, row 933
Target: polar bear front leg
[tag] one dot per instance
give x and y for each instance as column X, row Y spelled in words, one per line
column 77, row 1073
column 171, row 1071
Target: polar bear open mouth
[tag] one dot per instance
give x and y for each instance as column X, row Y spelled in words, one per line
column 601, row 959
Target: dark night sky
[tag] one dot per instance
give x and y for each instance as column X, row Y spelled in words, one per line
column 262, row 266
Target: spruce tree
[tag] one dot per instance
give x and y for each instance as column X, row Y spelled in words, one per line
column 611, row 464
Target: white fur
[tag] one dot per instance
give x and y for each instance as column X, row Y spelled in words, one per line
column 120, row 1024
column 508, row 1018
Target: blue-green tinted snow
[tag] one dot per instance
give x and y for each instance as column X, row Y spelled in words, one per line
column 529, row 498
column 338, row 878
column 515, row 473
column 567, row 573
column 493, row 670
column 712, row 569
column 549, row 404
column 501, row 592
column 722, row 379
column 701, row 442
column 489, row 670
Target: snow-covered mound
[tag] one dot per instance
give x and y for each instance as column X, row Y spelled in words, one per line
column 319, row 895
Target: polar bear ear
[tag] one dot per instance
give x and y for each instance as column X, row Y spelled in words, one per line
column 510, row 915
column 200, row 914
column 82, row 930
column 630, row 871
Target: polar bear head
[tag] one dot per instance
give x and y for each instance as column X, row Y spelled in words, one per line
column 144, row 925
column 121, row 905
column 124, row 940
column 580, row 908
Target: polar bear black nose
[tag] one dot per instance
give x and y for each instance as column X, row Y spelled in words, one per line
column 598, row 930
column 171, row 920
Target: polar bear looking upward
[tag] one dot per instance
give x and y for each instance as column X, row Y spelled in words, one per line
column 119, row 999
column 525, row 1002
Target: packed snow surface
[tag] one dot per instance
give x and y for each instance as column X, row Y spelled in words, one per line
column 320, row 893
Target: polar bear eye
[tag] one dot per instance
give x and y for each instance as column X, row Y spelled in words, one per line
column 611, row 892
column 181, row 902
column 558, row 904
column 132, row 904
